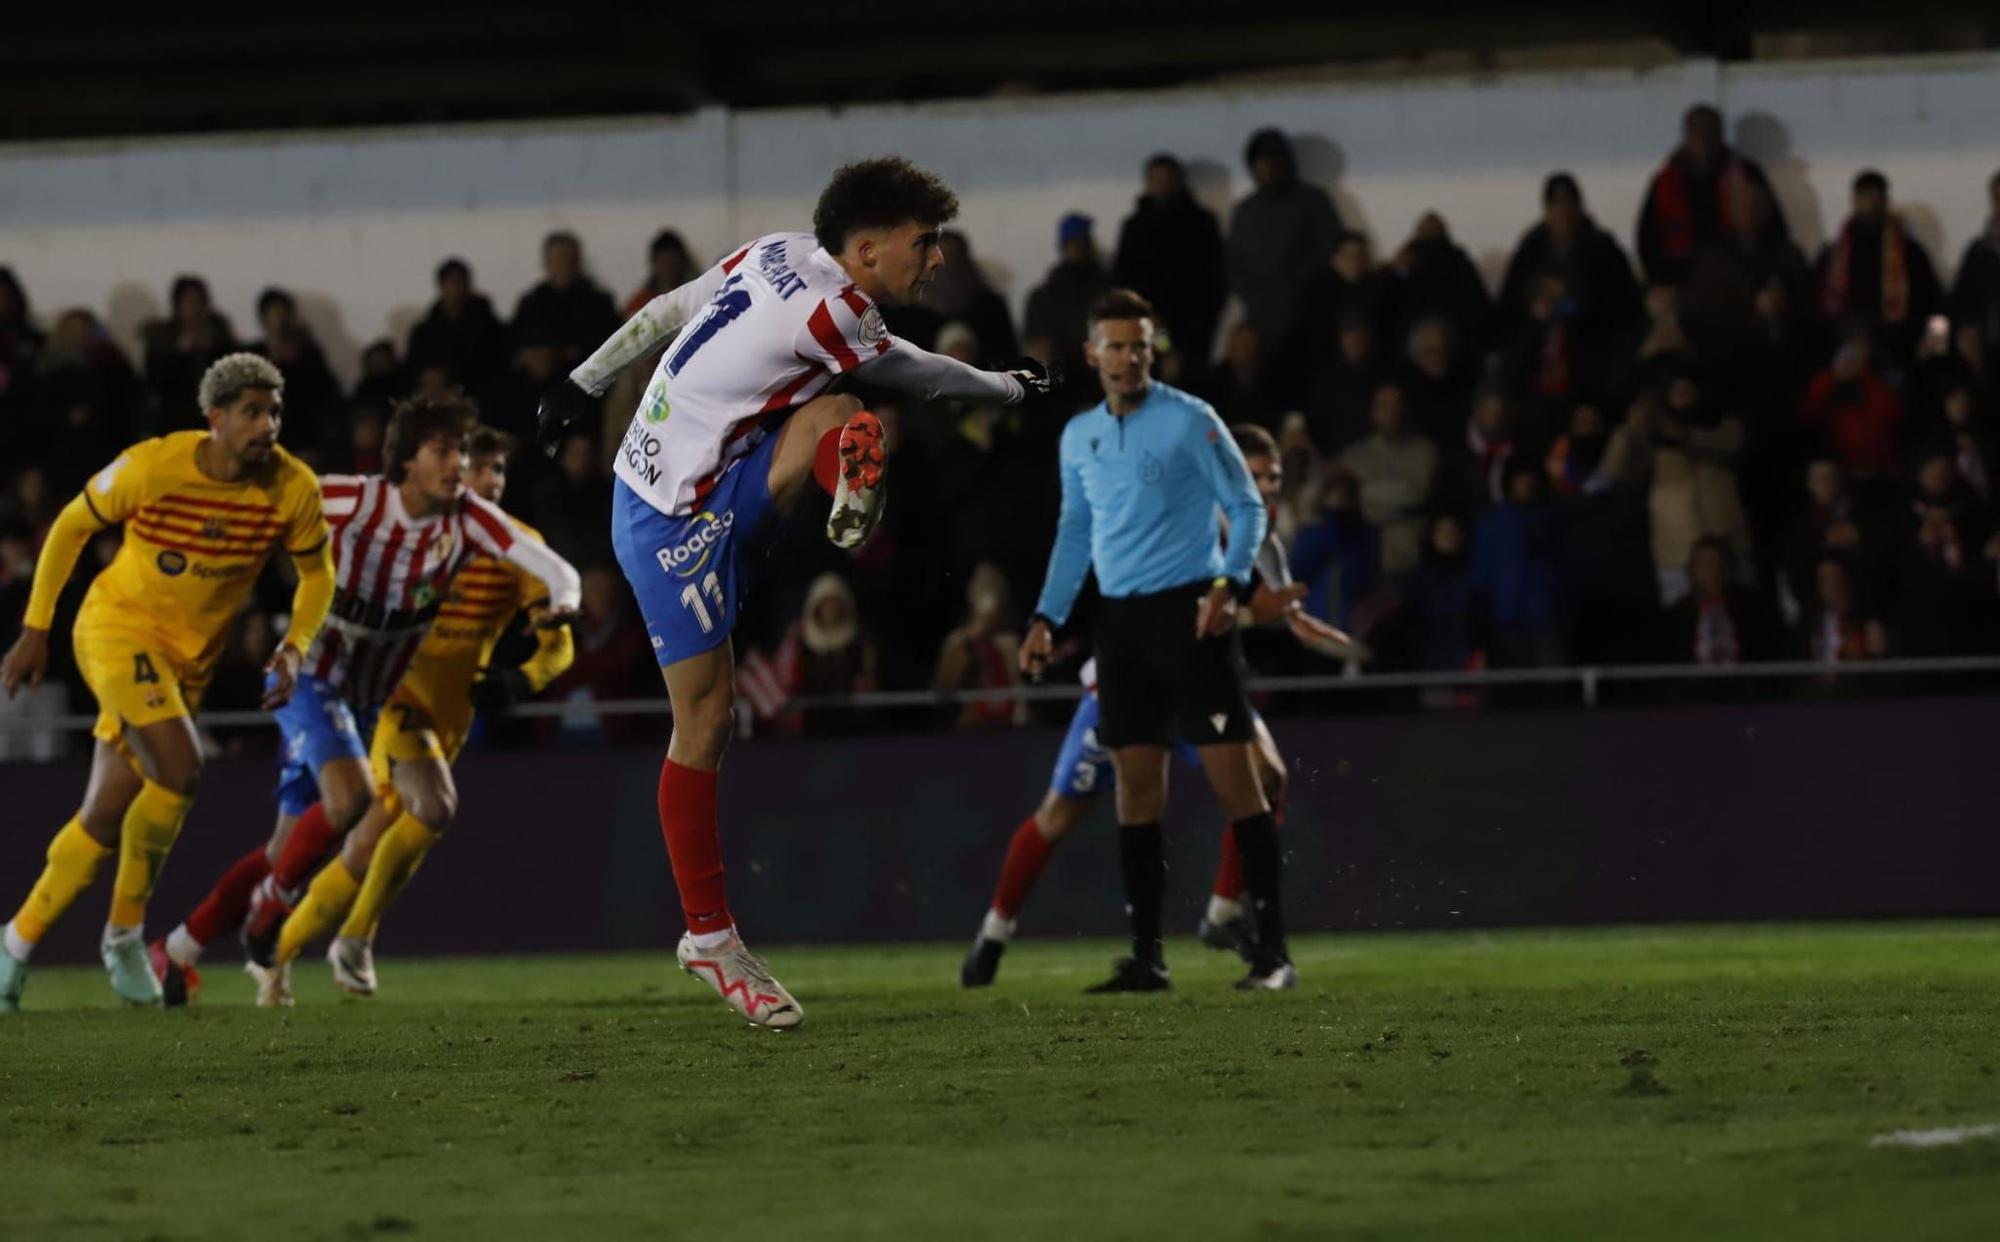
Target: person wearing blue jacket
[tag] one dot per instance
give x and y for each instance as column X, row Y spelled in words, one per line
column 1148, row 476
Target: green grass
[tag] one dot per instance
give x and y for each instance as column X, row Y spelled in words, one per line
column 1709, row 1083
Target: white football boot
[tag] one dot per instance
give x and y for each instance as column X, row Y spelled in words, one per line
column 742, row 980
column 274, row 984
column 353, row 962
column 131, row 970
column 858, row 496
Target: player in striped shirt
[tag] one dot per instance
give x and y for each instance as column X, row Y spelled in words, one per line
column 398, row 538
column 739, row 415
column 202, row 511
column 427, row 721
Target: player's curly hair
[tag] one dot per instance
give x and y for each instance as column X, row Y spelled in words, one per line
column 880, row 194
column 418, row 421
column 229, row 375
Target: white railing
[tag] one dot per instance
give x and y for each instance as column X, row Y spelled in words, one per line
column 1589, row 681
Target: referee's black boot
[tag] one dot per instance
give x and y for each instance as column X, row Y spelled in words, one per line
column 1135, row 974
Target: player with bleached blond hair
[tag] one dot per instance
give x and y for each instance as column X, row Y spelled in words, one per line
column 202, row 511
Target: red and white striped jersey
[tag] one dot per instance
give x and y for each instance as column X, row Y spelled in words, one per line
column 392, row 573
column 783, row 323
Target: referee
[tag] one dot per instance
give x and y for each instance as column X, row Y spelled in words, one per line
column 1147, row 476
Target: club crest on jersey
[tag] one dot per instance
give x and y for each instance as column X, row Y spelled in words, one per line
column 426, row 595
column 214, row 528
column 171, row 563
column 873, row 331
column 686, row 558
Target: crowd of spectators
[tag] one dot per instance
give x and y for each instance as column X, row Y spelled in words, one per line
column 1726, row 451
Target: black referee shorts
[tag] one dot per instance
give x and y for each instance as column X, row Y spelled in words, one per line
column 1157, row 682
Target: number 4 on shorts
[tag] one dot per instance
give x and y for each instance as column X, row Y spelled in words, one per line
column 691, row 596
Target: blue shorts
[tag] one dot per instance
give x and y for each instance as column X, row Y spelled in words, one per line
column 689, row 572
column 1084, row 767
column 318, row 727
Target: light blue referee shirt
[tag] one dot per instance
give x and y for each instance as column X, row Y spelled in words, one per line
column 1141, row 498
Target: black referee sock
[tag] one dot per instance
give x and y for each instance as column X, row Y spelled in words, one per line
column 1143, row 859
column 1263, row 877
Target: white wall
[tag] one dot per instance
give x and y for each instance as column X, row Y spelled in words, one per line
column 355, row 222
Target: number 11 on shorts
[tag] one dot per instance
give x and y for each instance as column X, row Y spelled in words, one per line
column 691, row 596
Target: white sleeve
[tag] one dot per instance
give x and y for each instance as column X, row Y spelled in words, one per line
column 654, row 325
column 489, row 527
column 558, row 575
column 909, row 369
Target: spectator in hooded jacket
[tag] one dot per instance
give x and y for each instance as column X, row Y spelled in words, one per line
column 179, row 348
column 1059, row 308
column 1280, row 237
column 1432, row 277
column 1975, row 294
column 566, row 316
column 960, row 293
column 461, row 334
column 1170, row 253
column 1596, row 277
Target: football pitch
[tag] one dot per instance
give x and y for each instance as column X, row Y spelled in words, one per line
column 1684, row 1083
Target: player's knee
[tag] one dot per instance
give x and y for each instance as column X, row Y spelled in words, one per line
column 435, row 808
column 103, row 823
column 1058, row 815
column 345, row 807
column 180, row 773
column 707, row 728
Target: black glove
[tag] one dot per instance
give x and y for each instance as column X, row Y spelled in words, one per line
column 1037, row 378
column 499, row 689
column 561, row 407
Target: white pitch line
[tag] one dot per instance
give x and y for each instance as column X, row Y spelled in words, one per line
column 1949, row 1136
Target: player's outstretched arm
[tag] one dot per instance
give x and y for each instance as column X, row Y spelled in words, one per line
column 907, row 368
column 653, row 325
column 498, row 536
column 28, row 659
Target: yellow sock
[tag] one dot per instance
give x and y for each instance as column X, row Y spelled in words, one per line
column 74, row 856
column 397, row 856
column 151, row 823
column 326, row 902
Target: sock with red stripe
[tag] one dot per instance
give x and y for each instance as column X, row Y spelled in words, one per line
column 222, row 911
column 1027, row 854
column 694, row 848
column 310, row 843
column 1229, row 871
column 826, row 461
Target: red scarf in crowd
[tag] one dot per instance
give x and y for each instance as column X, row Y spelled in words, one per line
column 1674, row 209
column 1895, row 274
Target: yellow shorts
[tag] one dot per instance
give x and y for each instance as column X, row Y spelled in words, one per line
column 411, row 730
column 136, row 679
